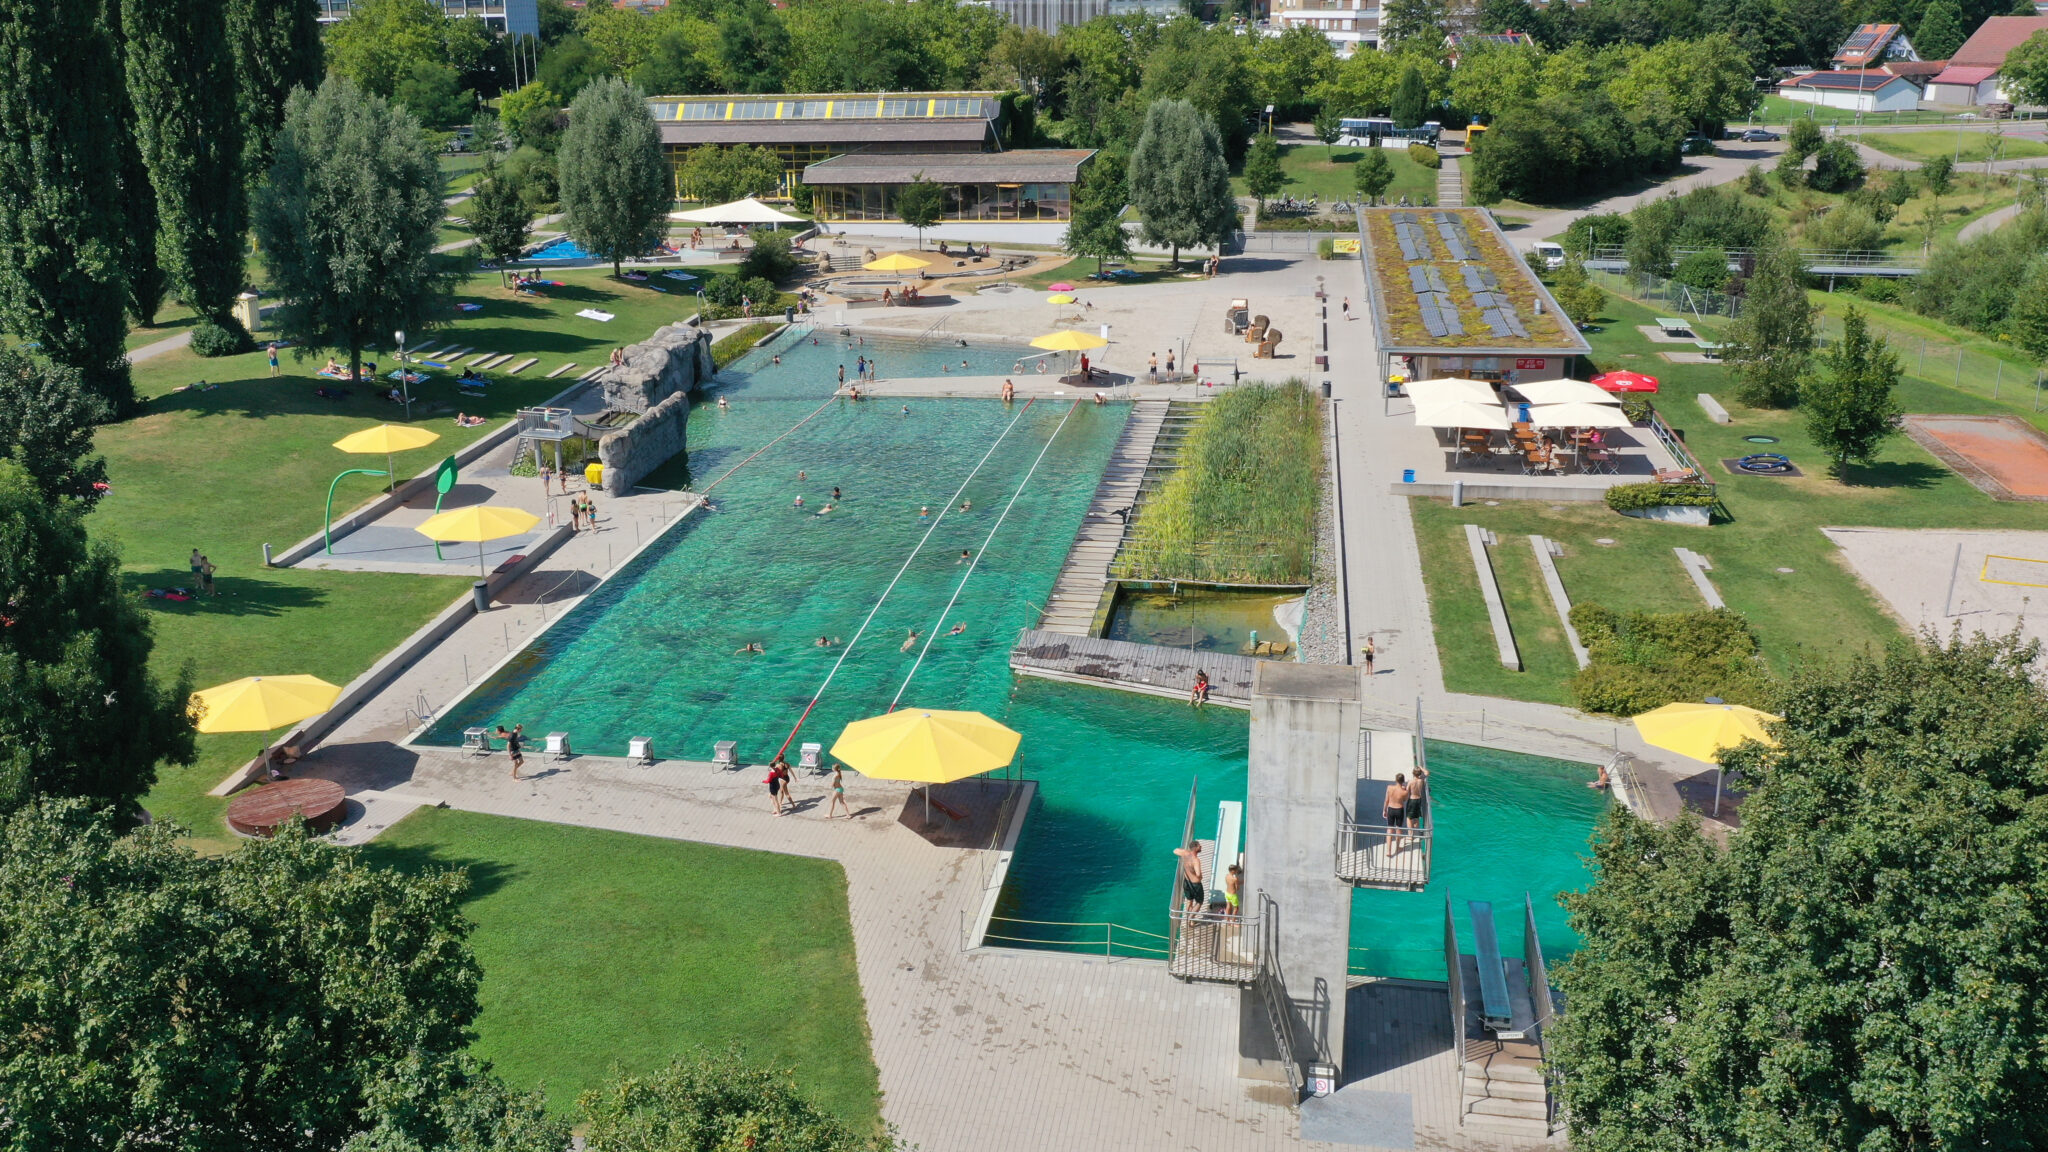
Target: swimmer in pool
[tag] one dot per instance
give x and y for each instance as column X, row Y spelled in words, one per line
column 906, row 409
column 909, row 642
column 835, row 491
column 825, row 509
column 724, row 405
column 799, row 502
column 802, row 475
column 749, row 649
column 775, row 359
column 827, row 641
column 964, row 556
column 963, row 365
column 924, row 514
column 957, row 629
column 967, row 505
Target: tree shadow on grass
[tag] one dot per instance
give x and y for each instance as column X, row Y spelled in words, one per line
column 1909, row 474
column 485, row 876
column 239, row 595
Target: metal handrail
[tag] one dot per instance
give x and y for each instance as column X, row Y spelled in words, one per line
column 1373, row 853
column 1853, row 257
column 1109, row 936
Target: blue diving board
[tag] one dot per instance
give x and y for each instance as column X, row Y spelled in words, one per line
column 1495, row 1010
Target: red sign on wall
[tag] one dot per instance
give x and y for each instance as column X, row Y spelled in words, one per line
column 1535, row 365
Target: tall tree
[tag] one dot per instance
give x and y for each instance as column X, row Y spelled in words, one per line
column 2027, row 322
column 1097, row 227
column 1770, row 345
column 147, row 283
column 1850, row 408
column 499, row 215
column 1809, row 986
column 82, row 714
column 276, row 45
column 1372, row 174
column 1940, row 31
column 1178, row 178
column 1327, row 126
column 181, row 77
column 1414, row 21
column 919, row 204
column 1411, row 99
column 716, row 174
column 381, row 41
column 46, row 426
column 1263, row 175
column 753, row 47
column 673, row 66
column 615, row 186
column 61, row 221
column 2025, row 71
column 347, row 220
column 321, row 986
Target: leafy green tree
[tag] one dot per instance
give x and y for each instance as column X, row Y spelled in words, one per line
column 1327, row 126
column 1262, row 173
column 1803, row 138
column 499, row 215
column 621, row 37
column 1596, row 230
column 82, row 714
column 1940, row 31
column 347, row 220
column 714, row 1101
column 476, row 54
column 1705, row 270
column 1489, row 78
column 1178, row 178
column 325, row 989
column 1027, row 59
column 1849, row 403
column 1849, row 228
column 2025, row 71
column 1372, row 174
column 454, row 1105
column 920, row 204
column 1362, row 85
column 1411, row 99
column 1418, row 21
column 533, row 114
column 1705, row 82
column 276, row 45
column 568, row 65
column 615, row 186
column 1770, row 345
column 146, row 281
column 1097, row 227
column 61, row 221
column 1580, row 298
column 717, row 174
column 1808, row 986
column 1939, row 173
column 434, row 93
column 771, row 258
column 854, row 46
column 753, row 47
column 46, row 426
column 2027, row 323
column 1836, row 167
column 1286, row 69
column 381, row 41
column 181, row 81
column 1505, row 16
column 673, row 66
column 1207, row 67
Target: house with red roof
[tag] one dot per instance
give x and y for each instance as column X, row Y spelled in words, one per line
column 1971, row 77
column 1863, row 90
column 1872, row 45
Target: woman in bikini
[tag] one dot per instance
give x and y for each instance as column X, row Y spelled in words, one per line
column 838, row 794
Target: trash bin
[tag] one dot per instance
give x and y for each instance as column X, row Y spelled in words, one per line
column 480, row 594
column 1407, row 475
column 1326, row 389
column 593, row 475
column 789, row 314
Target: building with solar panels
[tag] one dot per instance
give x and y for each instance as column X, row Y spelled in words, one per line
column 1450, row 297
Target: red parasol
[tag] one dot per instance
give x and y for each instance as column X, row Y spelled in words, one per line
column 1626, row 381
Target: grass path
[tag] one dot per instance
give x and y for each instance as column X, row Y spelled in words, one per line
column 604, row 951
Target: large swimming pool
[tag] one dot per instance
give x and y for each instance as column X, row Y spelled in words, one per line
column 653, row 652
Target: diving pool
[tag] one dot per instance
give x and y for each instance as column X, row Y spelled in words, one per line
column 653, row 651
column 560, row 249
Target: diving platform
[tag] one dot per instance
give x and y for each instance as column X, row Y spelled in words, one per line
column 1076, row 598
column 1148, row 668
column 1501, row 1005
column 1371, row 853
column 1215, row 942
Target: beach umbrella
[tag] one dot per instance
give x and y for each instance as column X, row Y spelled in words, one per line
column 1461, row 414
column 479, row 522
column 896, row 262
column 926, row 746
column 1451, row 388
column 385, row 440
column 1578, row 416
column 261, row 703
column 748, row 211
column 1068, row 340
column 1059, row 298
column 1701, row 731
column 1625, row 381
column 1565, row 392
column 1061, row 287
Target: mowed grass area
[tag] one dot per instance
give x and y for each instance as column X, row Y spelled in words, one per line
column 1817, row 610
column 1966, row 146
column 1777, row 111
column 605, row 952
column 1326, row 171
column 248, row 462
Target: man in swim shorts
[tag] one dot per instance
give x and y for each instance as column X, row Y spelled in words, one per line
column 1193, row 893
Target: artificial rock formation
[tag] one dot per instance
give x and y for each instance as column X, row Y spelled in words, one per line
column 656, row 379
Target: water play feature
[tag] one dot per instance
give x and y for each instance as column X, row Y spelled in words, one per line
column 1250, row 622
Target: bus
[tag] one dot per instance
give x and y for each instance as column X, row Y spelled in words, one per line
column 1374, row 131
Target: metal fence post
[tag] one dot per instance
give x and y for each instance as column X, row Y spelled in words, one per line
column 1959, row 366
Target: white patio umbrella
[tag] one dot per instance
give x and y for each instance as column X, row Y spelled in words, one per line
column 1461, row 414
column 1450, row 388
column 1565, row 392
column 748, row 211
column 1578, row 416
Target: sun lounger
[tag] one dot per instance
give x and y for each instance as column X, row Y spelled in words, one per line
column 522, row 366
column 562, row 369
column 480, row 358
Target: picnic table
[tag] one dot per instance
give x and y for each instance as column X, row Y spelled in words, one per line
column 1708, row 348
column 261, row 810
column 1674, row 326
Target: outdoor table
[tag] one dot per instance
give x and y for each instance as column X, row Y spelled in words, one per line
column 259, row 811
column 1708, row 348
column 1673, row 325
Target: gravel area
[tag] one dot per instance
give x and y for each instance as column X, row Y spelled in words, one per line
column 1322, row 626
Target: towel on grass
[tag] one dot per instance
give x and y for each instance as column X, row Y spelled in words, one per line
column 594, row 314
column 466, row 307
column 435, row 364
column 678, row 274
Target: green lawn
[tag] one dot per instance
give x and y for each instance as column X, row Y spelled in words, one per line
column 460, row 170
column 249, row 461
column 1780, row 111
column 171, row 319
column 1078, row 270
column 1326, row 172
column 1974, row 146
column 605, row 952
column 1818, row 609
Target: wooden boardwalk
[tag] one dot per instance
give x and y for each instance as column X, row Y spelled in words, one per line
column 1077, row 594
column 1147, row 668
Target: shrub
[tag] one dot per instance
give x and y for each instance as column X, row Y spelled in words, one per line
column 733, row 345
column 1426, row 156
column 1636, row 407
column 1754, row 181
column 1326, row 249
column 1850, row 227
column 1645, row 660
column 211, row 339
column 1598, row 231
column 1836, row 167
column 1877, row 288
column 1636, row 497
column 771, row 258
column 1706, row 270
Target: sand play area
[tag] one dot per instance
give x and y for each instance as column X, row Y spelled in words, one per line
column 1985, row 581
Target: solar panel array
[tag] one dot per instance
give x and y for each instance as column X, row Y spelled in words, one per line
column 1413, row 240
column 1479, row 278
column 1455, row 237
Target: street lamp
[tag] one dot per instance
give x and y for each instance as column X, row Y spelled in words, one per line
column 404, row 377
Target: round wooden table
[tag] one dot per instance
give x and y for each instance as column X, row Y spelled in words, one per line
column 259, row 811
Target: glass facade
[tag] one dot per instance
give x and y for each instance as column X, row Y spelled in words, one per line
column 964, row 202
column 924, row 106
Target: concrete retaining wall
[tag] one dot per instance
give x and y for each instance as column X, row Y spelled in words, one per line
column 1506, row 490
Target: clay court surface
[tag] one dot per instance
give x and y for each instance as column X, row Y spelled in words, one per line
column 1987, row 582
column 2002, row 455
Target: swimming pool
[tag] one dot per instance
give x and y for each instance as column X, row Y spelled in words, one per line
column 560, row 249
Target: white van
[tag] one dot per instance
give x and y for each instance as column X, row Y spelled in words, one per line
column 1549, row 255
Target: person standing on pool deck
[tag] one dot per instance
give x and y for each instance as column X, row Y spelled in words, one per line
column 1394, row 810
column 774, row 782
column 1370, row 652
column 1418, row 802
column 513, row 740
column 838, row 793
column 1194, row 894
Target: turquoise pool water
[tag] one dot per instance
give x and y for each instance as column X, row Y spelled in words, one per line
column 562, row 249
column 652, row 652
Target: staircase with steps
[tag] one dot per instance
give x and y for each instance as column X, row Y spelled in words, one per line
column 1078, row 591
column 1504, row 1090
column 1450, row 184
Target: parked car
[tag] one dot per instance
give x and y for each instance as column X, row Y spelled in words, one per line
column 1998, row 110
column 1760, row 136
column 1696, row 145
column 1550, row 256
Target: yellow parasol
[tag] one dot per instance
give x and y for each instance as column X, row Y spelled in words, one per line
column 896, row 262
column 479, row 523
column 1059, row 298
column 926, row 746
column 384, row 440
column 1069, row 341
column 261, row 703
column 1701, row 731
